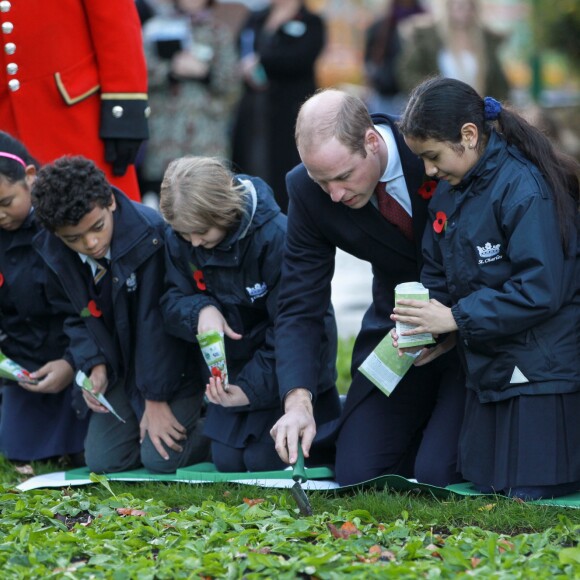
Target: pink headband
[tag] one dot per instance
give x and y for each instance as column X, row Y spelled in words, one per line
column 15, row 157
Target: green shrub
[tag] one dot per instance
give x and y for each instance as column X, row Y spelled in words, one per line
column 343, row 360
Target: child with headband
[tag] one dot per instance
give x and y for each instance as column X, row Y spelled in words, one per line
column 501, row 263
column 224, row 258
column 37, row 420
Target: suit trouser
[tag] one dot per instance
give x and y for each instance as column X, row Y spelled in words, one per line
column 414, row 432
column 112, row 446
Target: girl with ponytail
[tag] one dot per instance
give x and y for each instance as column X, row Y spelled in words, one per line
column 501, row 263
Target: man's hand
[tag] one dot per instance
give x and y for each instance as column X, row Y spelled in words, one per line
column 430, row 316
column 233, row 397
column 296, row 423
column 210, row 318
column 163, row 428
column 53, row 377
column 100, row 383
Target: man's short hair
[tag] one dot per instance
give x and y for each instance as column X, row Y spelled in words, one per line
column 346, row 118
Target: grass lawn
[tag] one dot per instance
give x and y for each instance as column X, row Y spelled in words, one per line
column 123, row 531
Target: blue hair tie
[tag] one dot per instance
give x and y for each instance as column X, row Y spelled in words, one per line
column 492, row 108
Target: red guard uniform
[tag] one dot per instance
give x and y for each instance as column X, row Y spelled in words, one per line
column 73, row 79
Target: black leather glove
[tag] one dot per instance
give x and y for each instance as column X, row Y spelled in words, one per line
column 121, row 153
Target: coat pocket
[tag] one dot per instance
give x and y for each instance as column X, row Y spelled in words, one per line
column 506, row 364
column 78, row 82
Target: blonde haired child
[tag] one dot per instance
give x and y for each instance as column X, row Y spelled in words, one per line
column 224, row 259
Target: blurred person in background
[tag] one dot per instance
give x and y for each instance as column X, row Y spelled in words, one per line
column 73, row 82
column 194, row 86
column 279, row 46
column 456, row 45
column 382, row 46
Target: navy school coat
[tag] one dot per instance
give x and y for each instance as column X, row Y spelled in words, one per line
column 241, row 277
column 32, row 425
column 153, row 365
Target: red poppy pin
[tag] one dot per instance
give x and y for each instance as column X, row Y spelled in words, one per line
column 198, row 277
column 1, row 279
column 440, row 223
column 427, row 190
column 91, row 309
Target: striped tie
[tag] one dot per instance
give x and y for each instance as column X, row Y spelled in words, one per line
column 101, row 264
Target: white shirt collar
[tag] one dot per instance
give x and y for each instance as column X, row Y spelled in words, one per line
column 93, row 263
column 393, row 174
column 394, row 167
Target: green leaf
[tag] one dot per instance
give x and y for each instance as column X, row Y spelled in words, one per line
column 569, row 555
column 102, row 479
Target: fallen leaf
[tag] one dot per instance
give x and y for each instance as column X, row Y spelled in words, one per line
column 475, row 562
column 130, row 512
column 349, row 528
column 505, row 545
column 346, row 530
column 252, row 502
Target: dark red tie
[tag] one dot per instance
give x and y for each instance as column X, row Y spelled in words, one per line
column 393, row 211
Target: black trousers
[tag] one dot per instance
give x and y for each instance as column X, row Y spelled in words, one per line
column 414, row 432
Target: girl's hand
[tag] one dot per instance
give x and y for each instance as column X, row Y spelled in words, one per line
column 233, row 397
column 210, row 318
column 53, row 377
column 430, row 316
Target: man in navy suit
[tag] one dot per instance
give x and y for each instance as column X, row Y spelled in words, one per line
column 414, row 432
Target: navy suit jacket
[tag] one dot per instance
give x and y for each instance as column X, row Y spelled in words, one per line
column 316, row 227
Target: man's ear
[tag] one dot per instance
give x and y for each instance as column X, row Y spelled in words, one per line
column 113, row 205
column 372, row 141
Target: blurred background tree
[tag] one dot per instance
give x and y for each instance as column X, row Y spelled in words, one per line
column 557, row 26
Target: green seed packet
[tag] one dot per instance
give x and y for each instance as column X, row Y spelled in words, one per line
column 13, row 371
column 384, row 367
column 412, row 291
column 214, row 353
column 85, row 383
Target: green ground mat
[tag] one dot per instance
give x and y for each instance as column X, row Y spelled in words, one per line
column 319, row 479
column 201, row 472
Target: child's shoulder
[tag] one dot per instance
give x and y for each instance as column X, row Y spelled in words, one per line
column 133, row 212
